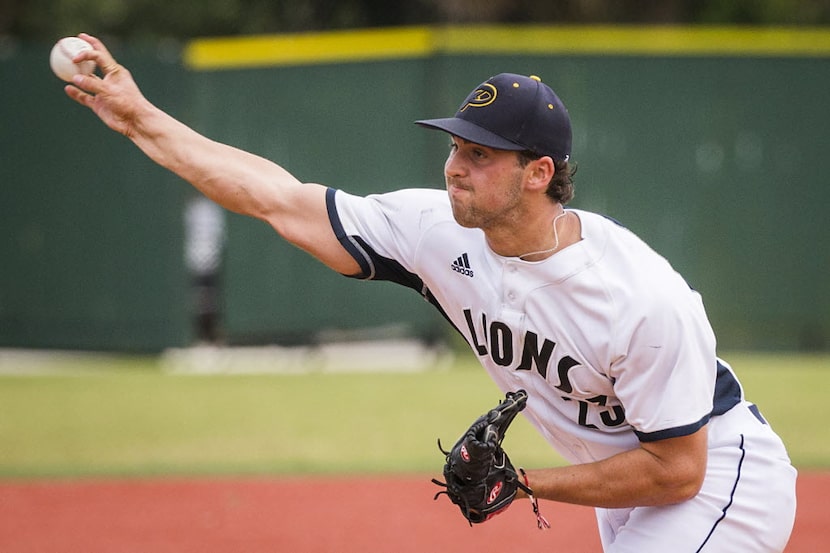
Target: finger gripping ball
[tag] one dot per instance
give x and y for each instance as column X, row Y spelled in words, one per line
column 60, row 59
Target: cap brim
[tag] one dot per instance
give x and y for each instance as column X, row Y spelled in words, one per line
column 470, row 132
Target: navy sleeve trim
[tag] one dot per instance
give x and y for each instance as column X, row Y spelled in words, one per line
column 675, row 432
column 728, row 393
column 367, row 269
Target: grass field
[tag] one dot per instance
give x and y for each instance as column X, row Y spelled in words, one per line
column 109, row 416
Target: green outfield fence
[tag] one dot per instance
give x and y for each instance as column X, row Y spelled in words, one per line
column 708, row 142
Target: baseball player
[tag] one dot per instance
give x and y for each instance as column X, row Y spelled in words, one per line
column 613, row 348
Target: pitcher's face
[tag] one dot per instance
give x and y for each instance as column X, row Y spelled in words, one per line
column 484, row 184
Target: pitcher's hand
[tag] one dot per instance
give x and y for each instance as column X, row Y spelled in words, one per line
column 113, row 96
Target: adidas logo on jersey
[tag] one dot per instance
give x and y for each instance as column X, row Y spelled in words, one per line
column 462, row 265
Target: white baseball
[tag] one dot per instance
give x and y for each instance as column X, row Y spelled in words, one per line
column 60, row 59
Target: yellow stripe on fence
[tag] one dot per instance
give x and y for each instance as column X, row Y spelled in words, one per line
column 308, row 48
column 416, row 42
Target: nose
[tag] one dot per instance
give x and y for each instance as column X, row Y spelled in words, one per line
column 454, row 167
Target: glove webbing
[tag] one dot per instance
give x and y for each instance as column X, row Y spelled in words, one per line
column 541, row 521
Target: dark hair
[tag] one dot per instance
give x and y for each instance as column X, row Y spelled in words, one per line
column 561, row 186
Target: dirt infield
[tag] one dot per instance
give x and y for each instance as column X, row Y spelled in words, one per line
column 227, row 515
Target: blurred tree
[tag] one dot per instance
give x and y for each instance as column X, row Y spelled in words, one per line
column 761, row 12
column 47, row 19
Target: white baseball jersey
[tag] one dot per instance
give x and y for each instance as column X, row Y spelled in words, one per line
column 612, row 346
column 609, row 341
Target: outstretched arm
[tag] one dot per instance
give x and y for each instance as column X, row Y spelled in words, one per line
column 235, row 179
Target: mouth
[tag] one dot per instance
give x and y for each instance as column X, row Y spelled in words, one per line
column 456, row 193
column 454, row 188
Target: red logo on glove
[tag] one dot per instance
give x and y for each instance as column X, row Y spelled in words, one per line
column 465, row 455
column 494, row 493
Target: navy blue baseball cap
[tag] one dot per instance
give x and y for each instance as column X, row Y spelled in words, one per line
column 512, row 112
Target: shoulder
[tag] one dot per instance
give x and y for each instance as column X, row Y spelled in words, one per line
column 641, row 284
column 390, row 226
column 410, row 207
column 615, row 247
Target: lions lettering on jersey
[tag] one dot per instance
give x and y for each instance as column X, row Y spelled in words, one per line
column 502, row 353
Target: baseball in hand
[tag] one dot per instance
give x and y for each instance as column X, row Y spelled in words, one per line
column 61, row 58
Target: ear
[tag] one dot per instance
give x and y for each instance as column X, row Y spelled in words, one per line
column 539, row 172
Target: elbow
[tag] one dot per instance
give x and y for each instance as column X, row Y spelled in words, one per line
column 684, row 492
column 679, row 467
column 681, row 484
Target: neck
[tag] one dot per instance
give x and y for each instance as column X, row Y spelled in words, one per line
column 538, row 255
column 534, row 238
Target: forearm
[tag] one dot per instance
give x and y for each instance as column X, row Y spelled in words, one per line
column 657, row 473
column 244, row 183
column 237, row 180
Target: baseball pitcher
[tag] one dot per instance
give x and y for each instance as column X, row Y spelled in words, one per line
column 591, row 334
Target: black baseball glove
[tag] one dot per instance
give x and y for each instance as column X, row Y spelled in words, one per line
column 479, row 476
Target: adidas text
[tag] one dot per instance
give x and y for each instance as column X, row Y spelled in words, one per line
column 462, row 265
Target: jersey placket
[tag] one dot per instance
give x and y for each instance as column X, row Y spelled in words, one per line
column 513, row 298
